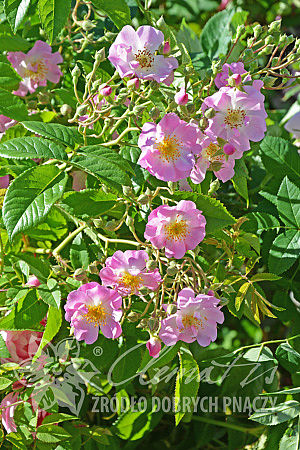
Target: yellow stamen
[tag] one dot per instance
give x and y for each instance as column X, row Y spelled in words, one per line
column 144, row 58
column 97, row 315
column 177, row 230
column 169, row 148
column 213, row 153
column 235, row 117
column 41, row 70
column 132, row 282
column 191, row 321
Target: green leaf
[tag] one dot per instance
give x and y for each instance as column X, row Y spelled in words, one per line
column 288, row 357
column 4, row 353
column 241, row 295
column 187, row 382
column 38, row 266
column 280, row 158
column 118, row 11
column 216, row 34
column 12, row 106
column 265, row 277
column 32, row 147
column 53, row 15
column 57, row 418
column 66, row 135
column 290, row 440
column 4, row 383
column 133, row 425
column 258, row 222
column 26, row 314
column 239, row 180
column 53, row 228
column 284, row 251
column 79, row 254
column 25, row 208
column 52, row 434
column 90, row 202
column 278, row 414
column 10, row 42
column 50, row 293
column 9, row 79
column 107, row 167
column 288, row 203
column 15, row 11
column 54, row 320
column 214, row 211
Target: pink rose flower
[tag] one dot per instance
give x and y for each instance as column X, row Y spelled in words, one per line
column 134, row 54
column 22, row 345
column 176, row 228
column 240, row 116
column 36, row 67
column 126, row 272
column 181, row 97
column 5, row 123
column 4, row 182
column 235, row 68
column 154, row 346
column 293, row 125
column 196, row 319
column 92, row 307
column 168, row 148
column 33, row 281
column 213, row 157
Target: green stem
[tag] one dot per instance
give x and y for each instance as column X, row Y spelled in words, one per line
column 231, row 426
column 68, row 239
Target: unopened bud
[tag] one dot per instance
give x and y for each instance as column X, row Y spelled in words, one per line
column 269, row 40
column 127, row 190
column 143, row 199
column 151, row 265
column 248, row 53
column 172, row 270
column 87, row 25
column 181, row 97
column 80, row 274
column 269, row 81
column 167, row 48
column 129, row 221
column 274, row 26
column 210, row 113
column 171, row 309
column 82, row 109
column 154, row 113
column 100, row 56
column 229, row 149
column 267, row 50
column 257, row 30
column 203, row 123
column 59, row 271
column 106, row 91
column 214, row 186
column 65, row 110
column 133, row 316
column 143, row 323
column 133, row 84
column 76, row 73
column 110, row 225
column 240, row 30
column 44, row 98
column 93, row 268
column 153, row 324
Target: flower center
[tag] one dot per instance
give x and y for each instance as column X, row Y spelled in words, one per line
column 169, row 148
column 177, row 230
column 132, row 282
column 213, row 153
column 144, row 58
column 97, row 315
column 39, row 73
column 235, row 117
column 191, row 321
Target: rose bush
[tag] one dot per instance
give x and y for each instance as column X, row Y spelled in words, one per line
column 149, row 231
